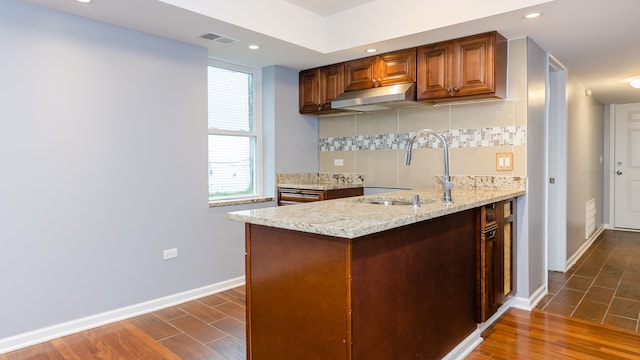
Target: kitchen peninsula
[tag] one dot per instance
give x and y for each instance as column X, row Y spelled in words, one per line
column 353, row 279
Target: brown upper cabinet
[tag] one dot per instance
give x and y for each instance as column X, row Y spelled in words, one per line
column 318, row 87
column 472, row 67
column 386, row 69
column 469, row 67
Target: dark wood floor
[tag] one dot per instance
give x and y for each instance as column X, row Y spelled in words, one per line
column 195, row 330
column 209, row 328
column 120, row 340
column 213, row 327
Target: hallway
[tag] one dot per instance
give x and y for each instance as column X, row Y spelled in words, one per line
column 603, row 286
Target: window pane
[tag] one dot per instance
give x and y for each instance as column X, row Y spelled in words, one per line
column 232, row 162
column 230, row 99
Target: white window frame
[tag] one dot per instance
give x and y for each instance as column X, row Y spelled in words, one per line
column 256, row 132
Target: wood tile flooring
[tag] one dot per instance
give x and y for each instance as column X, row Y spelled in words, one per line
column 212, row 327
column 604, row 285
column 577, row 320
column 208, row 328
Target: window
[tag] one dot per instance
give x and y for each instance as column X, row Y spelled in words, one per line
column 234, row 132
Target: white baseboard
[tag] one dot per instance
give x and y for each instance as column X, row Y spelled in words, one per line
column 71, row 327
column 623, row 229
column 465, row 347
column 573, row 259
column 530, row 302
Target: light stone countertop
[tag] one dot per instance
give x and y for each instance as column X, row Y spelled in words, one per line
column 351, row 218
column 319, row 186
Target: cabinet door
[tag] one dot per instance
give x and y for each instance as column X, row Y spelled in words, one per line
column 488, row 278
column 474, row 65
column 331, row 84
column 505, row 247
column 308, row 91
column 495, row 258
column 361, row 74
column 434, row 71
column 397, row 67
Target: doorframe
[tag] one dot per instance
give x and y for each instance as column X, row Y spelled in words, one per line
column 556, row 133
column 609, row 159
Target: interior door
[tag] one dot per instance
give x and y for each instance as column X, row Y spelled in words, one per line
column 626, row 166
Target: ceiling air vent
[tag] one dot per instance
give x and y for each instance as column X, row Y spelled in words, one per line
column 223, row 40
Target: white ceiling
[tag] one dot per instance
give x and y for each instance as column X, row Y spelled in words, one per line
column 596, row 40
column 328, row 7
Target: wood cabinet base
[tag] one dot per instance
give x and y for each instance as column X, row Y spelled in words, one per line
column 290, row 196
column 404, row 293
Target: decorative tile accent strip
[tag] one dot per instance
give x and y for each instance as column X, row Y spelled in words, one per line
column 462, row 138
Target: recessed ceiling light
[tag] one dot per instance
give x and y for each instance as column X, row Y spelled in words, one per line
column 254, row 47
column 371, row 50
column 533, row 15
column 83, row 1
column 635, row 83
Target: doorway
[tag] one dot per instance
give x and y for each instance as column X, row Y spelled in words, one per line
column 626, row 166
column 557, row 167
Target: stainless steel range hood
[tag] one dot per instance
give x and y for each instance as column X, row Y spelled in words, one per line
column 380, row 98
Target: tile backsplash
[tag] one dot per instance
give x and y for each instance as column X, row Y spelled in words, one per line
column 372, row 143
column 497, row 136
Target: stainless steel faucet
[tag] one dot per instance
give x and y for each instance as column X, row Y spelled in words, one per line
column 445, row 154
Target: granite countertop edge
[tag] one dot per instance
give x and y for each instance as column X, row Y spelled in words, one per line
column 352, row 218
column 319, row 186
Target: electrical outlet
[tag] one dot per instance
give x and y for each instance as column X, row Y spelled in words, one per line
column 169, row 253
column 338, row 162
column 504, row 161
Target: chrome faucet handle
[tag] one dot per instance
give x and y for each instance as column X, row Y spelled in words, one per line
column 448, row 184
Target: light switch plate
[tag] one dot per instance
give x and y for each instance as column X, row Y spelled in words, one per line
column 504, row 161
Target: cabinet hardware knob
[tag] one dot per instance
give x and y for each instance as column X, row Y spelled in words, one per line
column 455, row 89
column 373, row 81
column 618, row 172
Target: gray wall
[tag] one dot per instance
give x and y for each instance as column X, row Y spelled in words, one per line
column 292, row 130
column 532, row 258
column 103, row 154
column 585, row 172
